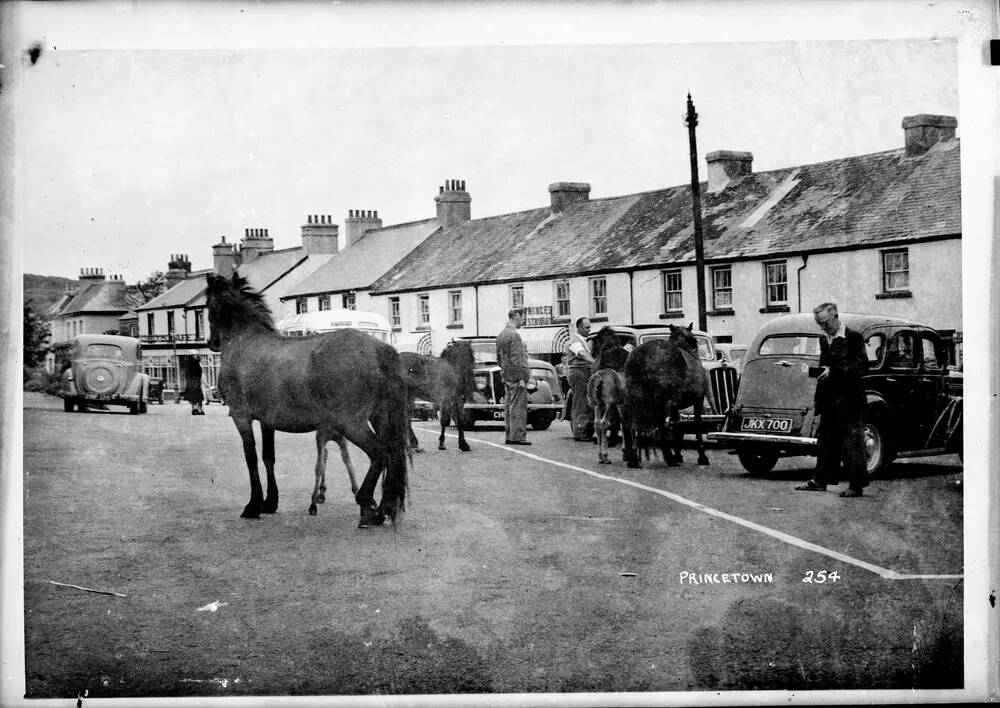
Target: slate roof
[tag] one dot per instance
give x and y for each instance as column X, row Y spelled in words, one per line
column 866, row 200
column 363, row 262
column 183, row 293
column 98, row 297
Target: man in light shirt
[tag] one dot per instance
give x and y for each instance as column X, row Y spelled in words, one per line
column 581, row 364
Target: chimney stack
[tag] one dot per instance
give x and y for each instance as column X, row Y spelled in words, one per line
column 256, row 242
column 922, row 132
column 224, row 258
column 91, row 275
column 357, row 222
column 725, row 166
column 563, row 194
column 177, row 269
column 453, row 203
column 320, row 235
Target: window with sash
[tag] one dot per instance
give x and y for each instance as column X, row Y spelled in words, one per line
column 350, row 301
column 301, row 305
column 722, row 288
column 324, row 302
column 516, row 296
column 395, row 319
column 598, row 297
column 775, row 283
column 423, row 309
column 562, row 298
column 672, row 299
column 455, row 307
column 895, row 270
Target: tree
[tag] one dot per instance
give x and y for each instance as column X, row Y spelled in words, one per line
column 142, row 292
column 36, row 338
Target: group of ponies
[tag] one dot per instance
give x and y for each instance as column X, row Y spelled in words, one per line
column 643, row 392
column 344, row 385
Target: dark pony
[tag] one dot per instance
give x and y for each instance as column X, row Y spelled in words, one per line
column 606, row 389
column 342, row 384
column 662, row 377
column 446, row 380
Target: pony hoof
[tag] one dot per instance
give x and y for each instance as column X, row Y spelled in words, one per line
column 250, row 512
column 464, row 447
column 441, row 446
column 321, row 499
column 312, row 510
column 371, row 517
column 418, row 449
column 703, row 461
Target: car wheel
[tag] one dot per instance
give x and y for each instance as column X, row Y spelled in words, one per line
column 757, row 461
column 541, row 421
column 878, row 453
column 68, row 405
column 143, row 408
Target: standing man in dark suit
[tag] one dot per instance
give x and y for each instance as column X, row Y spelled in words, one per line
column 513, row 360
column 581, row 366
column 840, row 402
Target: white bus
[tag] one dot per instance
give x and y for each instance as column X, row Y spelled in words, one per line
column 327, row 320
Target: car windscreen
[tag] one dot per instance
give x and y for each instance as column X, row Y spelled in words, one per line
column 484, row 352
column 805, row 345
column 104, row 351
column 541, row 374
column 704, row 345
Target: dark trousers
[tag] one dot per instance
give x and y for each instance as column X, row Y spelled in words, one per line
column 515, row 414
column 841, row 442
column 582, row 414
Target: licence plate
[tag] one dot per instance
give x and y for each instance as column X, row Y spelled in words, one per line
column 752, row 424
column 498, row 415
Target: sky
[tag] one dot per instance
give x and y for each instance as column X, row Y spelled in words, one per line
column 131, row 154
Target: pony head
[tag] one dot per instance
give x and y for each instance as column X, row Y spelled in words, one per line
column 233, row 305
column 604, row 340
column 683, row 337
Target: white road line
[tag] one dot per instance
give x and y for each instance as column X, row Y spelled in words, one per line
column 780, row 535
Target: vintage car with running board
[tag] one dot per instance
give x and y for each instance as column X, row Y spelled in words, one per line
column 914, row 401
column 104, row 369
column 544, row 392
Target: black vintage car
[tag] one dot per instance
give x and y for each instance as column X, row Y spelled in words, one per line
column 914, row 401
column 544, row 391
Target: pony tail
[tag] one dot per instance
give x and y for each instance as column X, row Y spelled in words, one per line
column 395, row 433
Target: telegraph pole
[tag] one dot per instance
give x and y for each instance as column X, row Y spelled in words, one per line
column 691, row 119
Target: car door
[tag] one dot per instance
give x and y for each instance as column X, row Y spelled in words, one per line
column 929, row 387
column 903, row 391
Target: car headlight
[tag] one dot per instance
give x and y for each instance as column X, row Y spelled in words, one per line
column 480, row 383
column 532, row 385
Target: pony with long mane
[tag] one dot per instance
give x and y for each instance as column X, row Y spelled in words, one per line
column 342, row 384
column 606, row 389
column 447, row 380
column 662, row 377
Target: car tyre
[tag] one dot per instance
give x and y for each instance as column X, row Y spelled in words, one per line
column 878, row 451
column 133, row 408
column 68, row 405
column 757, row 461
column 540, row 421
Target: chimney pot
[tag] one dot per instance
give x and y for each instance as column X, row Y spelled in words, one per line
column 563, row 194
column 725, row 166
column 921, row 132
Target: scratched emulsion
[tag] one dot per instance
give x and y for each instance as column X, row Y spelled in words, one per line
column 34, row 53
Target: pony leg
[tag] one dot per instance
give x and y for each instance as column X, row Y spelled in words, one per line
column 346, row 457
column 245, row 428
column 267, row 452
column 457, row 405
column 678, row 435
column 444, row 417
column 698, row 410
column 629, row 453
column 601, row 427
column 320, row 471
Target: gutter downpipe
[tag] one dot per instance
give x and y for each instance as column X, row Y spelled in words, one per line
column 631, row 299
column 476, row 288
column 798, row 277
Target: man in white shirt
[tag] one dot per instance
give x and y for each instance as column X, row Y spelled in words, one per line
column 581, row 363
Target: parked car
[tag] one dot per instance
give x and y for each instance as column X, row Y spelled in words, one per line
column 914, row 402
column 544, row 391
column 156, row 390
column 722, row 377
column 732, row 355
column 104, row 369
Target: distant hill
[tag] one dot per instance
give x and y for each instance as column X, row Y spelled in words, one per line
column 42, row 291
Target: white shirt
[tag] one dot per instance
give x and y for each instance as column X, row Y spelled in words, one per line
column 842, row 332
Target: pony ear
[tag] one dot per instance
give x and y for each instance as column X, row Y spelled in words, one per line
column 690, row 326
